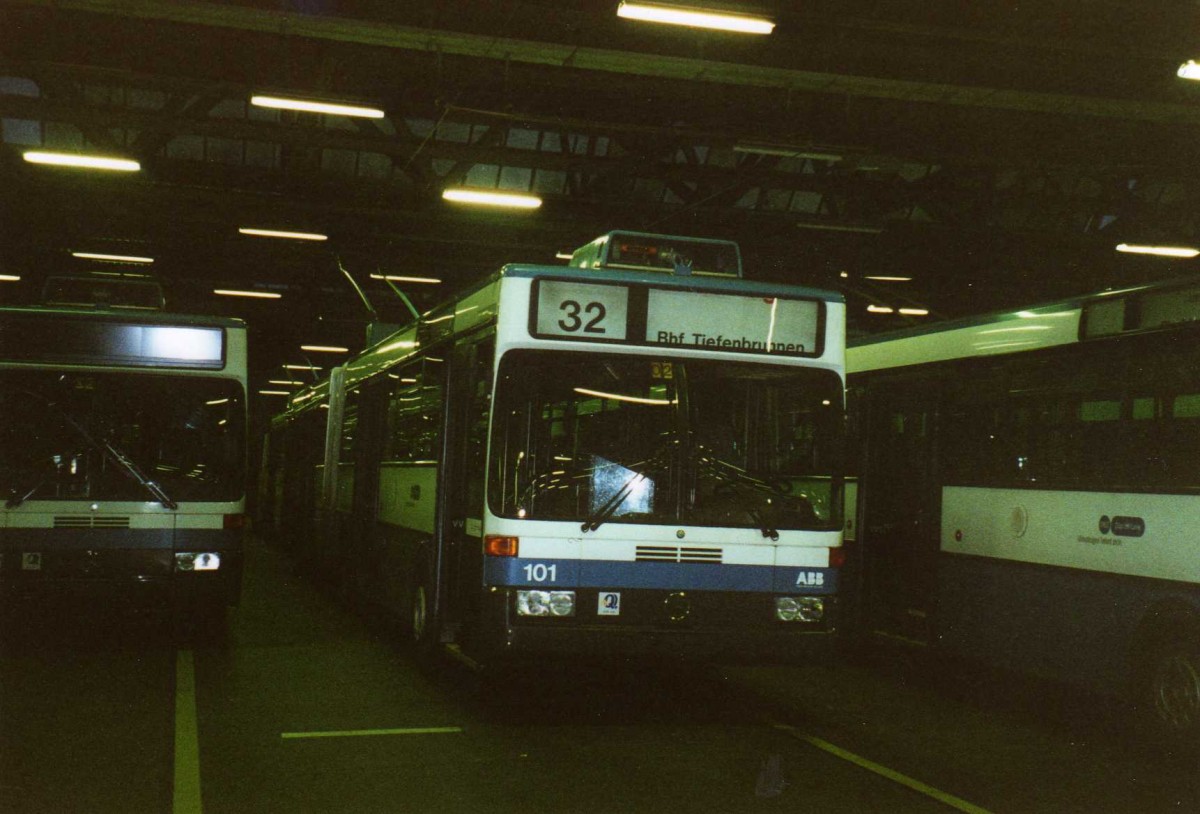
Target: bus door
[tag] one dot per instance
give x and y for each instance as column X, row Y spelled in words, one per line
column 466, row 455
column 899, row 507
column 358, row 491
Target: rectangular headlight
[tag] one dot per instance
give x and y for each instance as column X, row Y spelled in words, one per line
column 201, row 561
column 545, row 603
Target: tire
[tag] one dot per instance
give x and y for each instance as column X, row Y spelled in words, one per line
column 422, row 626
column 1168, row 690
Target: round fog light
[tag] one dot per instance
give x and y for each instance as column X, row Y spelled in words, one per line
column 786, row 608
column 562, row 603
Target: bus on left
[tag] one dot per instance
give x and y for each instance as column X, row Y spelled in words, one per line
column 122, row 456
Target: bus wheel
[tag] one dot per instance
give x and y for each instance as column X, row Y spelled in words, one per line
column 1169, row 692
column 418, row 616
column 422, row 625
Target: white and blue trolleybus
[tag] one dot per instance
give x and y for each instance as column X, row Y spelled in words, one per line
column 1030, row 492
column 635, row 454
column 122, row 455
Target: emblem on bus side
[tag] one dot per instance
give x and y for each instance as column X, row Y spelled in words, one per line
column 1123, row 526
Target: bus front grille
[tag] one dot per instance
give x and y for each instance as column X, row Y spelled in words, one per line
column 670, row 553
column 87, row 521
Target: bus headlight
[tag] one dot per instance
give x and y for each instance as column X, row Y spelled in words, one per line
column 197, row 561
column 799, row 608
column 545, row 603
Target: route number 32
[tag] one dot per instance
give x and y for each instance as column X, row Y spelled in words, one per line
column 588, row 317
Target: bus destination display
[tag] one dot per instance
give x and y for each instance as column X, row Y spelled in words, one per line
column 671, row 318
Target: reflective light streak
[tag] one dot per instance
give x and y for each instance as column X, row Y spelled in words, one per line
column 631, row 399
column 396, row 278
column 324, row 349
column 694, row 18
column 93, row 162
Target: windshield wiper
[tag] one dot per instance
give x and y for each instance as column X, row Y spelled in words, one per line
column 729, row 474
column 18, row 498
column 596, row 519
column 654, row 463
column 122, row 460
column 119, row 458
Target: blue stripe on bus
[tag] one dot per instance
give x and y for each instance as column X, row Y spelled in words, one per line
column 609, row 574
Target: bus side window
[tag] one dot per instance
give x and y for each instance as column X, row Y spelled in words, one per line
column 1181, row 439
column 346, row 458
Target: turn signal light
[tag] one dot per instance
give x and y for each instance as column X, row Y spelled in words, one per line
column 495, row 545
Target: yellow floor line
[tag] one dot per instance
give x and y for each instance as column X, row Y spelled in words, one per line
column 883, row 771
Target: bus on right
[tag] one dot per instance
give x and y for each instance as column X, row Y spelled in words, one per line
column 1029, row 493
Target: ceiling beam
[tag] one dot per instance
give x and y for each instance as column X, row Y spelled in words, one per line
column 658, row 66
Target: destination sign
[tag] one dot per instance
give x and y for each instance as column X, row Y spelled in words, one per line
column 647, row 315
column 732, row 322
column 48, row 338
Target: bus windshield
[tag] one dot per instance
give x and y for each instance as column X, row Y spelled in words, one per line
column 635, row 439
column 74, row 436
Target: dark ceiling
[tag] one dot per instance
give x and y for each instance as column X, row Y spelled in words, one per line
column 994, row 152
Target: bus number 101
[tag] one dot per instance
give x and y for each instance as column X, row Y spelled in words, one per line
column 540, row 572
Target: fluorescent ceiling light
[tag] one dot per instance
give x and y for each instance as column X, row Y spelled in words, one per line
column 275, row 392
column 880, row 309
column 1189, row 70
column 287, row 235
column 695, row 18
column 563, row 255
column 1161, row 251
column 395, row 278
column 885, row 279
column 94, row 162
column 9, row 278
column 288, row 382
column 233, row 292
column 787, row 152
column 301, row 367
column 324, row 349
column 307, row 106
column 112, row 258
column 838, row 227
column 489, row 198
column 915, row 312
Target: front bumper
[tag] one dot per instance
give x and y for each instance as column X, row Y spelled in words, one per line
column 671, row 625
